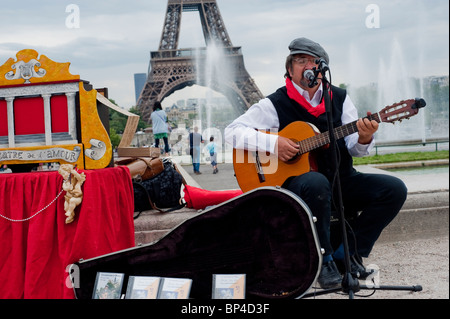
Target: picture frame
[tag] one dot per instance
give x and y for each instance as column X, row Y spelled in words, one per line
column 174, row 288
column 108, row 285
column 228, row 286
column 142, row 287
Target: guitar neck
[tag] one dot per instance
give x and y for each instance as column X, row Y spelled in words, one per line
column 321, row 139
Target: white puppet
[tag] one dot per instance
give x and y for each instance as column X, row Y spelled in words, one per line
column 72, row 185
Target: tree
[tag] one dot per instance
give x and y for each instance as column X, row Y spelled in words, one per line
column 114, row 137
column 118, row 121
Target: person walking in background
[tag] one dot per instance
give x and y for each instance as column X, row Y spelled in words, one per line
column 160, row 126
column 212, row 149
column 195, row 139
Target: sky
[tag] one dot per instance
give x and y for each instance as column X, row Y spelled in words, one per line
column 107, row 42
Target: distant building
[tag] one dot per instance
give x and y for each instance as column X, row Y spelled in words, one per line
column 437, row 80
column 180, row 115
column 139, row 82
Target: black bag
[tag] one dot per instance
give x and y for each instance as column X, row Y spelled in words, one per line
column 267, row 234
column 160, row 191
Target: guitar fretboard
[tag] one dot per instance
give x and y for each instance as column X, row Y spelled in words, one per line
column 321, row 139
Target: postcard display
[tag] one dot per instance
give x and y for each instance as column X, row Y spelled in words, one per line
column 265, row 236
column 109, row 285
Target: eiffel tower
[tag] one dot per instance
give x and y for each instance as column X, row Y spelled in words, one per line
column 173, row 69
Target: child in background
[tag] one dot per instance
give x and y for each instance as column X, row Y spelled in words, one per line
column 211, row 147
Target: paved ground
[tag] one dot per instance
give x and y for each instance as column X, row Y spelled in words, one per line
column 422, row 262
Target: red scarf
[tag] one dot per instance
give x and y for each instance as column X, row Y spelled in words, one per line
column 297, row 97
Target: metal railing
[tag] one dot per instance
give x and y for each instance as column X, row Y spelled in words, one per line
column 434, row 141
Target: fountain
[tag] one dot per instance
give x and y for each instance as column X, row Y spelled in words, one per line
column 393, row 85
column 215, row 74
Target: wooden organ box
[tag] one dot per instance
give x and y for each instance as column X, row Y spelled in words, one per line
column 48, row 115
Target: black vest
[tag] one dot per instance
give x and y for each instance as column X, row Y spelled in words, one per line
column 289, row 111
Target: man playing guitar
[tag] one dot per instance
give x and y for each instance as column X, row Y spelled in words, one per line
column 377, row 197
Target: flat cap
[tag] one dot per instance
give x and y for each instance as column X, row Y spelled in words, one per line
column 306, row 46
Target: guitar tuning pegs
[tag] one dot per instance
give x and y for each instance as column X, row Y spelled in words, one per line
column 419, row 103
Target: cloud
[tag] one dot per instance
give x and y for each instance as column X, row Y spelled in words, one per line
column 115, row 37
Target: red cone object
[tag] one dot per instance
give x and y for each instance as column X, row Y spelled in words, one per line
column 199, row 198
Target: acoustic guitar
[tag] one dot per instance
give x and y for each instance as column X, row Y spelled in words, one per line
column 255, row 169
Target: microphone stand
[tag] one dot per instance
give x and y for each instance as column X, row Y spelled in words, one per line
column 350, row 284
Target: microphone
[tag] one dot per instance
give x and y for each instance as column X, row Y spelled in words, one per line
column 311, row 77
column 323, row 66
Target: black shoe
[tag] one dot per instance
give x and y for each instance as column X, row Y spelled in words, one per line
column 329, row 276
column 357, row 269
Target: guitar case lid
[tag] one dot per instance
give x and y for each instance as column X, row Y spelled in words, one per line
column 267, row 234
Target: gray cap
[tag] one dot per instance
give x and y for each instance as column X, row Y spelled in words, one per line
column 306, row 46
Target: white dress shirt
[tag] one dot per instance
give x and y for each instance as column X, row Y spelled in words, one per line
column 243, row 132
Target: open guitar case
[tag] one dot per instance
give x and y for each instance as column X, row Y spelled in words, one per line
column 267, row 233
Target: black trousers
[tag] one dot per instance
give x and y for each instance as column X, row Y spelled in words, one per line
column 166, row 144
column 378, row 197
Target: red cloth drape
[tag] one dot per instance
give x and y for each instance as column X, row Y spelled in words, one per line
column 34, row 254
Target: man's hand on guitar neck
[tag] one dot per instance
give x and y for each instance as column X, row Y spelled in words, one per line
column 285, row 148
column 366, row 129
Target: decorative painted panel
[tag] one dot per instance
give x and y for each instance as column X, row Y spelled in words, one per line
column 29, row 68
column 39, row 103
